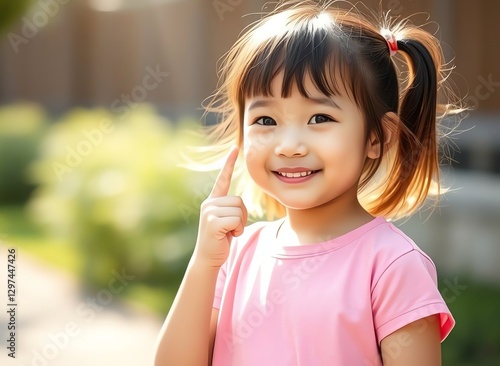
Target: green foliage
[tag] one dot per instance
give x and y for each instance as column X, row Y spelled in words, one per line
column 475, row 339
column 112, row 188
column 21, row 129
column 11, row 11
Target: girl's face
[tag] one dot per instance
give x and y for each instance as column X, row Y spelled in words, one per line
column 305, row 152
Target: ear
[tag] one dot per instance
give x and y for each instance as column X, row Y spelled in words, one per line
column 390, row 122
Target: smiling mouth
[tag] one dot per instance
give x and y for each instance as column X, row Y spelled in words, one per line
column 297, row 174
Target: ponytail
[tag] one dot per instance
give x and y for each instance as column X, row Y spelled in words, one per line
column 417, row 153
column 412, row 171
column 418, row 106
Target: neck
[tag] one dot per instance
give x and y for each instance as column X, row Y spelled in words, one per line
column 324, row 222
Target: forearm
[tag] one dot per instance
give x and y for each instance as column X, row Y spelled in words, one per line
column 188, row 331
column 184, row 337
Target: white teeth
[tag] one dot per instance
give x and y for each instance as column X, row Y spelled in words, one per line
column 295, row 175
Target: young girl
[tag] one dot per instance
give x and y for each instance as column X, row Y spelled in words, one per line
column 335, row 145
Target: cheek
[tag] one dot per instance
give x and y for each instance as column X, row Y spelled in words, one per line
column 251, row 152
column 256, row 144
column 345, row 151
column 254, row 162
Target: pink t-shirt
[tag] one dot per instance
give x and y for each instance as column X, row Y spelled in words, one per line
column 329, row 303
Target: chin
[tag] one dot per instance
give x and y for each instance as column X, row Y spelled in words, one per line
column 294, row 204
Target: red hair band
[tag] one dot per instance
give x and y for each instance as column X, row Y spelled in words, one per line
column 391, row 41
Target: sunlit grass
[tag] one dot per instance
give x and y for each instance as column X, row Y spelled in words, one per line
column 57, row 254
column 18, row 231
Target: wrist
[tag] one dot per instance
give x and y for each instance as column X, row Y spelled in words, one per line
column 201, row 265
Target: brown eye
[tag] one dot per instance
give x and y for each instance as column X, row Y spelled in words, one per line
column 266, row 121
column 320, row 118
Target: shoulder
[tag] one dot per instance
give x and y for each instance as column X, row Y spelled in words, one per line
column 403, row 283
column 387, row 246
column 388, row 242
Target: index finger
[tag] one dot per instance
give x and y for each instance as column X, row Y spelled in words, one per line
column 223, row 181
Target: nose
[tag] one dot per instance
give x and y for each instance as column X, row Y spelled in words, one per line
column 291, row 143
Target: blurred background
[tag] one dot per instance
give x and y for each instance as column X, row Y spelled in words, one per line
column 97, row 99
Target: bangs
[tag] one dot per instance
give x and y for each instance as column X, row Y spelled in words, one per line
column 318, row 52
column 343, row 53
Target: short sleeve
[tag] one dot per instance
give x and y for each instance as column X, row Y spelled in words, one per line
column 219, row 287
column 407, row 291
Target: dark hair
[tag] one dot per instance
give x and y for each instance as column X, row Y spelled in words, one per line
column 343, row 52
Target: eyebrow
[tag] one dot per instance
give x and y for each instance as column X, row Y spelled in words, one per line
column 317, row 100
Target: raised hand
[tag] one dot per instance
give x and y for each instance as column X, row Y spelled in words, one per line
column 222, row 217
